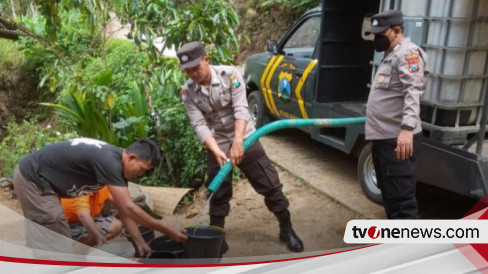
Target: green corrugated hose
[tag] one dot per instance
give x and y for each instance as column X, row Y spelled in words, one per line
column 277, row 125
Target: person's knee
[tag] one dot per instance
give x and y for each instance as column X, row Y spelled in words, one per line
column 114, row 229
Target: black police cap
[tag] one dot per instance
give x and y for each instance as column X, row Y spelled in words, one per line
column 384, row 20
column 190, row 54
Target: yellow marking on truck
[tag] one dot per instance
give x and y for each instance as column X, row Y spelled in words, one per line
column 268, row 88
column 287, row 115
column 262, row 82
column 298, row 89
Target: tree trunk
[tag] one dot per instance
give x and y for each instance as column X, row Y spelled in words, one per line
column 160, row 133
column 33, row 9
column 12, row 5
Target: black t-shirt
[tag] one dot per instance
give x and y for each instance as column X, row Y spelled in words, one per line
column 74, row 168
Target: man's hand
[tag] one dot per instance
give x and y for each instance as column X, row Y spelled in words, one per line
column 212, row 146
column 177, row 234
column 95, row 236
column 221, row 157
column 100, row 240
column 404, row 148
column 144, row 250
column 236, row 152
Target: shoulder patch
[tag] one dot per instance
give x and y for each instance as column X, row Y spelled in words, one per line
column 184, row 96
column 234, row 81
column 413, row 62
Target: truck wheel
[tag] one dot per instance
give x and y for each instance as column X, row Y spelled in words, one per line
column 367, row 175
column 257, row 108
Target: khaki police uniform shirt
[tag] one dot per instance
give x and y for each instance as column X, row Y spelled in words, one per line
column 394, row 99
column 213, row 111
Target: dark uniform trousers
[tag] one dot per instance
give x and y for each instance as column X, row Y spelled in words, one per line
column 261, row 174
column 396, row 178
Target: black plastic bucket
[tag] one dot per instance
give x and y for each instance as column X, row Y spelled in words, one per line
column 165, row 248
column 204, row 242
column 162, row 249
column 147, row 235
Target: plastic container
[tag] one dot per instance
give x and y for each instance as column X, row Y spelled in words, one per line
column 165, row 247
column 454, row 33
column 147, row 235
column 453, row 8
column 204, row 242
column 414, row 7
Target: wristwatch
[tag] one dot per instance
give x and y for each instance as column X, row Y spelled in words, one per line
column 407, row 127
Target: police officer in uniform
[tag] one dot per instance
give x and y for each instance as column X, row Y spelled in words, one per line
column 215, row 99
column 392, row 115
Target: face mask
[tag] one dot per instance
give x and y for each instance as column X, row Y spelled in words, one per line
column 381, row 43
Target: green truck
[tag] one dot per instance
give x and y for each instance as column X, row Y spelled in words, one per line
column 324, row 64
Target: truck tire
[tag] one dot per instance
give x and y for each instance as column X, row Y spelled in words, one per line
column 257, row 109
column 367, row 175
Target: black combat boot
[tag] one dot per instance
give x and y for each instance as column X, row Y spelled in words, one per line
column 219, row 221
column 287, row 234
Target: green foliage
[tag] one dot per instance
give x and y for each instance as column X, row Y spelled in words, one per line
column 184, row 157
column 211, row 21
column 102, row 85
column 236, row 174
column 74, row 45
column 18, row 77
column 125, row 64
column 134, row 122
column 298, row 6
column 75, row 41
column 24, row 138
column 10, row 56
column 194, row 24
column 94, row 12
column 87, row 115
column 20, row 7
column 181, row 148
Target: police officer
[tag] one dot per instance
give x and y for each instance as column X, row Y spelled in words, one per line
column 215, row 99
column 392, row 114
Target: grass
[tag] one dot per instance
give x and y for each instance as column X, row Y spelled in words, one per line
column 10, row 55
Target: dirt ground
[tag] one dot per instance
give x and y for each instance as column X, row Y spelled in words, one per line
column 252, row 230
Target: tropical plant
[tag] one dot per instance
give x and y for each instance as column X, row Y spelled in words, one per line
column 85, row 112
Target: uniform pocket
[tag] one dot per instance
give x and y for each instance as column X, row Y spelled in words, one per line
column 225, row 98
column 204, row 105
column 262, row 175
column 383, row 76
column 400, row 170
column 400, row 183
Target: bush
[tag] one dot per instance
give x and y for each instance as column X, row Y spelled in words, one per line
column 180, row 146
column 298, row 6
column 18, row 85
column 24, row 138
column 125, row 61
column 183, row 163
column 96, row 80
column 10, row 55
